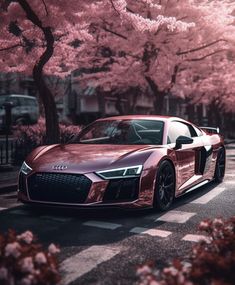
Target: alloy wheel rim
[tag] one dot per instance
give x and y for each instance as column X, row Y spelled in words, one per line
column 166, row 186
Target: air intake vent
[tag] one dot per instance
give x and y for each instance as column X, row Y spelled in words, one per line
column 58, row 187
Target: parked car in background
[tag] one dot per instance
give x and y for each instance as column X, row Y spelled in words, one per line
column 25, row 109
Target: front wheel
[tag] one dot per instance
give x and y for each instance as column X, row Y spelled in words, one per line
column 165, row 186
column 220, row 166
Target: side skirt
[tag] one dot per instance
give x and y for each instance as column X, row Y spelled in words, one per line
column 195, row 187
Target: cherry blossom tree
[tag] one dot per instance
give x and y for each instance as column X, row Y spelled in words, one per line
column 137, row 43
column 44, row 37
column 124, row 57
column 36, row 38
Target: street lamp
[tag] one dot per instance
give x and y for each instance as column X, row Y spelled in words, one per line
column 8, row 121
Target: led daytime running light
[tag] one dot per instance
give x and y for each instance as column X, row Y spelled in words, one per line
column 25, row 168
column 124, row 172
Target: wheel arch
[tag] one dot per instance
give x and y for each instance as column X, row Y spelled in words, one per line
column 168, row 159
column 173, row 166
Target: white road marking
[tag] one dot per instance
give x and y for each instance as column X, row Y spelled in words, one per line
column 83, row 262
column 230, row 182
column 57, row 219
column 11, row 195
column 176, row 217
column 196, row 238
column 151, row 232
column 209, row 196
column 102, row 225
column 1, row 209
column 229, row 175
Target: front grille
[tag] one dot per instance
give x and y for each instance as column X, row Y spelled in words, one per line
column 22, row 183
column 58, row 187
column 121, row 190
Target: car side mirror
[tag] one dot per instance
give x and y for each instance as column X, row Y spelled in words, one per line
column 182, row 140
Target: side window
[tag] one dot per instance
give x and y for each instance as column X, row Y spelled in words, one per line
column 25, row 102
column 30, row 102
column 14, row 100
column 21, row 102
column 177, row 129
column 198, row 132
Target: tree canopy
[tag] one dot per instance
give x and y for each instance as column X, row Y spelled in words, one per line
column 156, row 44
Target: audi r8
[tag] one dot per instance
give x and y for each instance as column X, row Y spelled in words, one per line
column 125, row 161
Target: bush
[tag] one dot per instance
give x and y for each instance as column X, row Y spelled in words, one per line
column 31, row 136
column 24, row 262
column 212, row 261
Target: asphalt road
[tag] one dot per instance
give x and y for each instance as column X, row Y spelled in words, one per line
column 105, row 246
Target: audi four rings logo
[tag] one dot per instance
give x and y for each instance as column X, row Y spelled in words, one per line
column 59, row 167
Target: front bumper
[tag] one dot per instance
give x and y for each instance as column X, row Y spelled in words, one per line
column 85, row 191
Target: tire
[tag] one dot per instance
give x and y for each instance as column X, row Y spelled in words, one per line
column 220, row 166
column 165, row 186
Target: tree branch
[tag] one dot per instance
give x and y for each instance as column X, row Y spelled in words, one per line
column 10, row 47
column 49, row 38
column 111, row 1
column 45, row 6
column 115, row 33
column 200, row 48
column 205, row 56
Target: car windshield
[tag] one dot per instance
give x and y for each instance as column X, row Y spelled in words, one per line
column 122, row 132
column 3, row 99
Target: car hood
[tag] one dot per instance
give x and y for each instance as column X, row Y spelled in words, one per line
column 85, row 158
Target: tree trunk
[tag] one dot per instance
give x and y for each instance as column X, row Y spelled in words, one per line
column 118, row 104
column 159, row 96
column 101, row 102
column 52, row 125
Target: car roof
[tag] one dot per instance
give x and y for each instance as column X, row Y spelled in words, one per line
column 143, row 117
column 19, row 96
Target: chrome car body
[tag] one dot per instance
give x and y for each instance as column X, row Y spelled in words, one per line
column 165, row 161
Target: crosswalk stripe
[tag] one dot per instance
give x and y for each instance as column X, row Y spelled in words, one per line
column 209, row 196
column 1, row 208
column 57, row 219
column 83, row 262
column 229, row 175
column 230, row 182
column 175, row 217
column 11, row 195
column 151, row 232
column 102, row 225
column 195, row 238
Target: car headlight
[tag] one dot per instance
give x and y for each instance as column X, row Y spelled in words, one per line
column 25, row 168
column 125, row 172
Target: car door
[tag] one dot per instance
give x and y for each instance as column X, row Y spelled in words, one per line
column 187, row 156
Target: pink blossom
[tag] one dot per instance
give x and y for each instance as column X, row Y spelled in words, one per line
column 204, row 225
column 27, row 265
column 13, row 249
column 144, row 270
column 26, row 237
column 3, row 273
column 53, row 249
column 171, row 270
column 27, row 280
column 217, row 222
column 40, row 258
